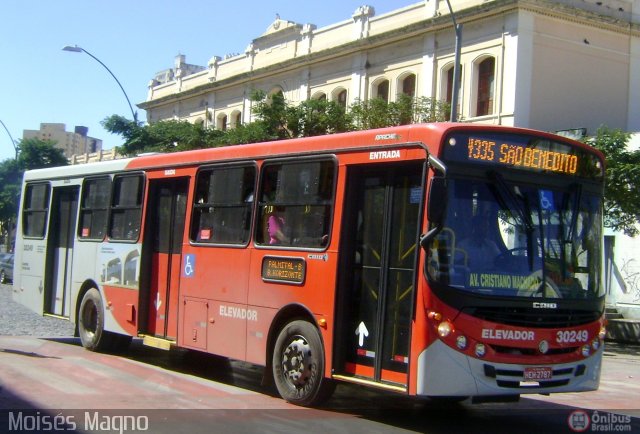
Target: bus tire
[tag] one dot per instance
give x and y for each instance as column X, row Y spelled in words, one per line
column 298, row 365
column 91, row 323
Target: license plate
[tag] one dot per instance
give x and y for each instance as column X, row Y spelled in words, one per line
column 538, row 373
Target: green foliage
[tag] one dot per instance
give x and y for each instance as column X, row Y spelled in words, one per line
column 377, row 113
column 10, row 179
column 276, row 119
column 271, row 112
column 38, row 154
column 33, row 154
column 253, row 132
column 622, row 196
column 316, row 117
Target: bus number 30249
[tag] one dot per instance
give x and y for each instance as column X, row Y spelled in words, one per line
column 569, row 336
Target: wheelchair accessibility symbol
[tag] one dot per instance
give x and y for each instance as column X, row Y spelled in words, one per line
column 546, row 200
column 189, row 265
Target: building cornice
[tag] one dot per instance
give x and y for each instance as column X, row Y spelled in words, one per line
column 548, row 8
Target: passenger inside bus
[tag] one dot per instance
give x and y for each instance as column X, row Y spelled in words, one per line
column 480, row 249
column 275, row 225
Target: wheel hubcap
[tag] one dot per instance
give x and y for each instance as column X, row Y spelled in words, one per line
column 296, row 361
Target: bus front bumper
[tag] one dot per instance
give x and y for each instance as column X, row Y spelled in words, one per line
column 443, row 371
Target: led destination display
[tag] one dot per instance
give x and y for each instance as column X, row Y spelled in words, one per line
column 522, row 152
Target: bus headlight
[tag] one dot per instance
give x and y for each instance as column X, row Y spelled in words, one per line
column 481, row 350
column 603, row 333
column 435, row 316
column 444, row 329
column 461, row 342
column 586, row 350
column 595, row 344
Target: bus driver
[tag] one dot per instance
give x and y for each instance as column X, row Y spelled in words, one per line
column 480, row 248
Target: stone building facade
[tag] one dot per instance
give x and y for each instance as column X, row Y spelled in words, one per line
column 550, row 65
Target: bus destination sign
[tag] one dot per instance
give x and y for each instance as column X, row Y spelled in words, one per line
column 518, row 156
column 284, row 270
column 522, row 152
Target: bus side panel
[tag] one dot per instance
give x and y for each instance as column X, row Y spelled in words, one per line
column 84, row 266
column 316, row 293
column 257, row 333
column 213, row 299
column 121, row 308
column 117, row 270
column 29, row 266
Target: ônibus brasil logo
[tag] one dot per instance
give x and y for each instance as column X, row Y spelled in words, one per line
column 579, row 421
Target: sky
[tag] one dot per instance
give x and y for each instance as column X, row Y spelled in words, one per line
column 41, row 83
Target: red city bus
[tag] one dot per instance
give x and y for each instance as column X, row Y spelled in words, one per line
column 441, row 260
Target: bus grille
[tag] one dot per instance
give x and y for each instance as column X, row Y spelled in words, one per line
column 528, row 317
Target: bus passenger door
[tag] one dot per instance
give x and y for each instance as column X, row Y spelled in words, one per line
column 62, row 227
column 163, row 238
column 377, row 275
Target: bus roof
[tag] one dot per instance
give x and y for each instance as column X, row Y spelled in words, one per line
column 429, row 134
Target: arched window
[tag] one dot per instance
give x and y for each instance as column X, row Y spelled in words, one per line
column 446, row 89
column 221, row 123
column 340, row 96
column 236, row 119
column 381, row 90
column 449, row 85
column 409, row 85
column 320, row 96
column 485, row 89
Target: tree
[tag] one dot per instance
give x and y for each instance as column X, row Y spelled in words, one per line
column 317, row 117
column 621, row 195
column 37, row 154
column 10, row 179
column 276, row 119
column 378, row 113
column 32, row 154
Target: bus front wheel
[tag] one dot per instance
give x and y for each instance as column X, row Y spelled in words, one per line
column 298, row 365
column 91, row 322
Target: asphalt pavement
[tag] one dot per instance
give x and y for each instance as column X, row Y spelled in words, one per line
column 45, row 372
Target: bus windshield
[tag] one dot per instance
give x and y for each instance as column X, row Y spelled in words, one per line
column 501, row 238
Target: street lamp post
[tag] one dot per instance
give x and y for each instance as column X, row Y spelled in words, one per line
column 76, row 49
column 13, row 142
column 456, row 66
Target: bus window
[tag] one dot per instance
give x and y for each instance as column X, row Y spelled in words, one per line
column 35, row 210
column 296, row 202
column 223, row 205
column 126, row 208
column 94, row 208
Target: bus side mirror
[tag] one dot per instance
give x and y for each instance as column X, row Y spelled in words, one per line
column 437, row 206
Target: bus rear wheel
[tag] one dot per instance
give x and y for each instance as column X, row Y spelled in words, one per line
column 91, row 323
column 298, row 365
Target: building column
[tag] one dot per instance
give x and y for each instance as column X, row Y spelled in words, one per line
column 427, row 82
column 358, row 78
column 517, row 83
column 307, row 38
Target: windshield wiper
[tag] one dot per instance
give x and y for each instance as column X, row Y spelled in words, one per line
column 575, row 209
column 509, row 200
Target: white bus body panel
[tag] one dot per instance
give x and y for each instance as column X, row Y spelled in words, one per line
column 30, row 253
column 443, row 371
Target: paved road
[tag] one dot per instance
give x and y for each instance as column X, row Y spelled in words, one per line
column 181, row 391
column 191, row 392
